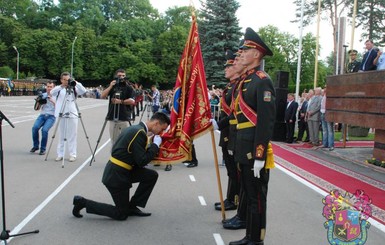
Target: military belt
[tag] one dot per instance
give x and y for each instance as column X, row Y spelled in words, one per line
column 233, row 121
column 120, row 163
column 245, row 125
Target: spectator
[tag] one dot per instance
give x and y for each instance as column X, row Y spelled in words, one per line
column 379, row 61
column 290, row 117
column 302, row 124
column 327, row 127
column 313, row 116
column 368, row 60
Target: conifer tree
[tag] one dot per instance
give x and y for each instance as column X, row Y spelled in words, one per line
column 219, row 30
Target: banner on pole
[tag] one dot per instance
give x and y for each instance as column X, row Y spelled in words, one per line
column 190, row 114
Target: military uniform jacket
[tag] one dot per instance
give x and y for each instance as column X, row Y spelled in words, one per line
column 258, row 94
column 226, row 100
column 117, row 111
column 353, row 66
column 131, row 147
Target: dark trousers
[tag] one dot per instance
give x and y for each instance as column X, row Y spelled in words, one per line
column 256, row 195
column 242, row 205
column 290, row 131
column 302, row 127
column 121, row 196
column 232, row 173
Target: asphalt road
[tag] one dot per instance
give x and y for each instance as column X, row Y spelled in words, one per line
column 38, row 194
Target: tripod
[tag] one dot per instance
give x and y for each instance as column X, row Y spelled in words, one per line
column 115, row 108
column 67, row 117
column 5, row 233
column 148, row 108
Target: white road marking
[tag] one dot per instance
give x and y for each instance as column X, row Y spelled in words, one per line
column 192, row 178
column 202, row 200
column 52, row 195
column 218, row 239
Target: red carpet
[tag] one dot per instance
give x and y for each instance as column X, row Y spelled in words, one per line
column 329, row 174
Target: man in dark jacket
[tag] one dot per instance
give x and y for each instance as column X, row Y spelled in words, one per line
column 367, row 61
column 290, row 117
column 130, row 154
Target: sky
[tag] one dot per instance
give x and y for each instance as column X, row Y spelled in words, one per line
column 279, row 13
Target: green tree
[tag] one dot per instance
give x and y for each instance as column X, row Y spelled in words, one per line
column 219, row 30
column 370, row 16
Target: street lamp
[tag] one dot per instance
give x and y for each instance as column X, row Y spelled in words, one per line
column 72, row 55
column 17, row 69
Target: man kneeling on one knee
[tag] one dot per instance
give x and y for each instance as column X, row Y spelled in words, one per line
column 130, row 154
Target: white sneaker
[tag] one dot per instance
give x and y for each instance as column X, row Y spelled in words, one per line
column 72, row 159
column 58, row 159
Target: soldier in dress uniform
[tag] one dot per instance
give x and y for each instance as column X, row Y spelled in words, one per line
column 238, row 221
column 255, row 115
column 354, row 64
column 232, row 187
column 129, row 156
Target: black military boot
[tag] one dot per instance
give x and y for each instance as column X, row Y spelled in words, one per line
column 79, row 203
column 243, row 241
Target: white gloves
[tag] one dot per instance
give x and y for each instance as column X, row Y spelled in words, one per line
column 157, row 140
column 258, row 165
column 214, row 123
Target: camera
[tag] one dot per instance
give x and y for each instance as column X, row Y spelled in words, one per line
column 41, row 97
column 40, row 100
column 71, row 82
column 120, row 81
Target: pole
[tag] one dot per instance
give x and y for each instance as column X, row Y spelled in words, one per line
column 353, row 23
column 72, row 56
column 298, row 80
column 218, row 175
column 17, row 67
column 317, row 45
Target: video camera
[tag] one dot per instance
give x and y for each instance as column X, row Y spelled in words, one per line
column 41, row 99
column 121, row 81
column 71, row 82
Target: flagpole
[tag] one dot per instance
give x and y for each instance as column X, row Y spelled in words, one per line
column 353, row 24
column 218, row 175
column 298, row 80
column 317, row 45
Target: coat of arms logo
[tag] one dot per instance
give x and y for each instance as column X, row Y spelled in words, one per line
column 346, row 216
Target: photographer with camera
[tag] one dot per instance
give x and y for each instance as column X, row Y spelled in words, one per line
column 121, row 98
column 46, row 103
column 66, row 108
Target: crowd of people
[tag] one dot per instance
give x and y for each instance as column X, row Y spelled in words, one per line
column 310, row 110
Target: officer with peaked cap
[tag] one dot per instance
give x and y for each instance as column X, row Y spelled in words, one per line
column 232, row 186
column 354, row 64
column 255, row 115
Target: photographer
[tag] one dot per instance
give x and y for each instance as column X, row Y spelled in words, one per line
column 45, row 120
column 121, row 96
column 66, row 108
column 155, row 98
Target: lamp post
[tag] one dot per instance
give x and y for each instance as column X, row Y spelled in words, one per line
column 72, row 55
column 17, row 68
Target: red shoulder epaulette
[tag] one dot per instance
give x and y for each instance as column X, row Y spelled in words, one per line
column 261, row 74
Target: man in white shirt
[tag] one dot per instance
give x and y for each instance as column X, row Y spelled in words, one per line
column 66, row 109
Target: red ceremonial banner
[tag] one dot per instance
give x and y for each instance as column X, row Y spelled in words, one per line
column 190, row 114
